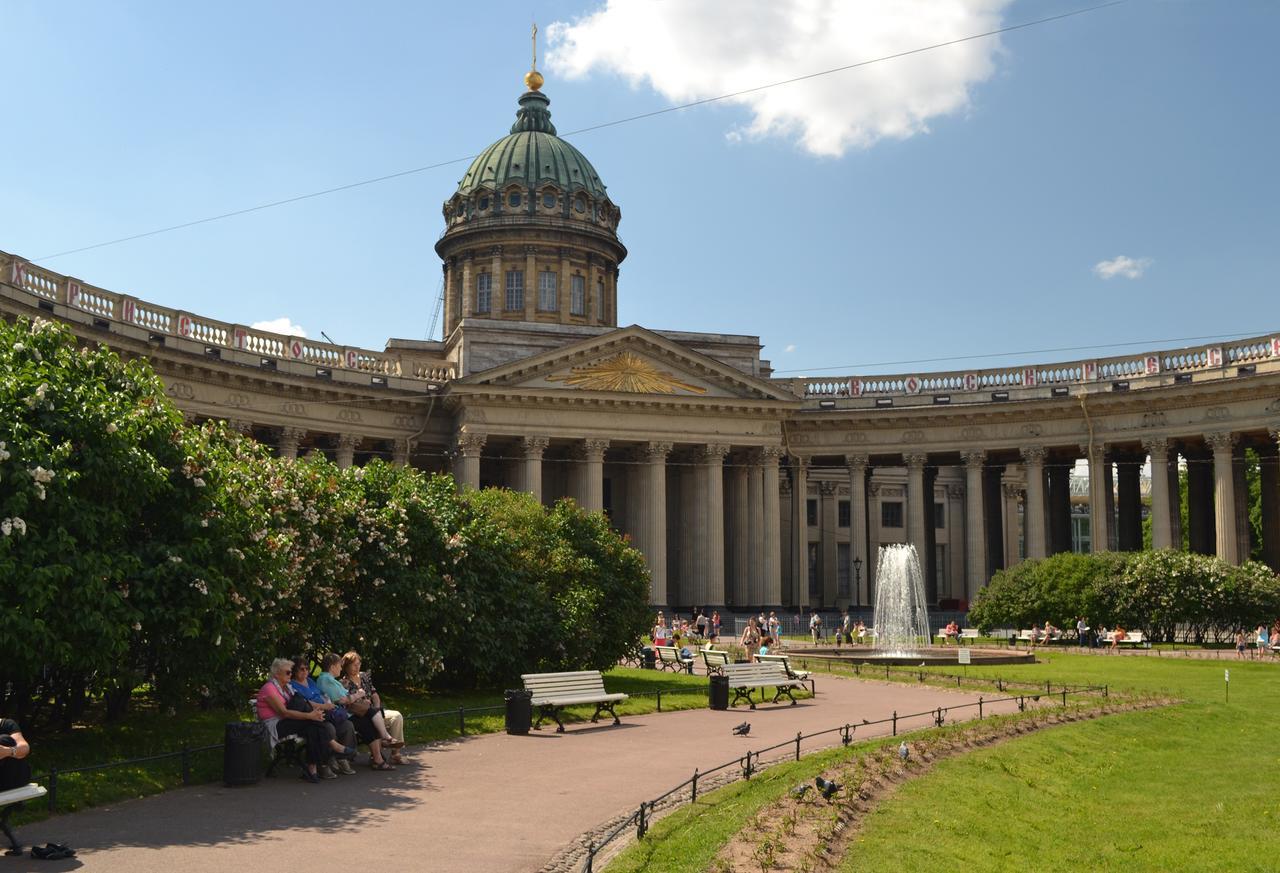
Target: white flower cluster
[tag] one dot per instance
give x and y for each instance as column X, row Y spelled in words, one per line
column 41, row 477
column 12, row 525
column 4, row 453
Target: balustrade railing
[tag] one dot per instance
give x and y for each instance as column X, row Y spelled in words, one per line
column 158, row 320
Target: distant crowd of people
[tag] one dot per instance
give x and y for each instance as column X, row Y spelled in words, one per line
column 331, row 711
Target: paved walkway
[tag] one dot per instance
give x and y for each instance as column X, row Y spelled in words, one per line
column 485, row 803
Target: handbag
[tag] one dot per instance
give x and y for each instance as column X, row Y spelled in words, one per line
column 298, row 703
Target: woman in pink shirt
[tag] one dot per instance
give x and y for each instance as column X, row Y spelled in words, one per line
column 274, row 711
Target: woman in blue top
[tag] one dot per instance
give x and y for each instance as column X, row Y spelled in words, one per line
column 300, row 682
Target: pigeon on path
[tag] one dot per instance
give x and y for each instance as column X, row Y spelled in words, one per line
column 827, row 787
column 742, row 730
column 903, row 752
column 800, row 790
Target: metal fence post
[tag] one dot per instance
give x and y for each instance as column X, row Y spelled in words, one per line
column 462, row 722
column 847, row 738
column 895, row 722
column 1064, row 697
column 694, row 798
column 591, row 856
column 798, row 736
column 979, row 707
column 642, row 826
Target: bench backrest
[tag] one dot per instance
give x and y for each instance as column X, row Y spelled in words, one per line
column 763, row 673
column 550, row 685
column 784, row 660
column 714, row 658
column 969, row 633
column 668, row 653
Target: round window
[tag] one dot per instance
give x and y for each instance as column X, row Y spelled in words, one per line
column 483, row 204
column 513, row 199
column 549, row 200
column 580, row 205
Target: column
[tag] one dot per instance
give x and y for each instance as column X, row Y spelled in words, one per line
column 450, row 287
column 917, row 501
column 1161, row 508
column 1099, row 529
column 1129, row 503
column 470, row 447
column 1224, row 496
column 857, row 465
column 736, row 535
column 651, row 527
column 800, row 530
column 563, row 285
column 713, row 488
column 498, row 284
column 1200, row 537
column 586, row 475
column 468, row 288
column 770, row 486
column 875, row 515
column 530, row 281
column 346, row 449
column 992, row 519
column 1012, row 492
column 955, row 525
column 400, row 451
column 975, row 546
column 929, row 558
column 1175, row 500
column 1059, row 475
column 287, row 447
column 786, row 540
column 1244, row 531
column 827, row 522
column 1270, row 483
column 756, row 526
column 1033, row 513
column 531, row 449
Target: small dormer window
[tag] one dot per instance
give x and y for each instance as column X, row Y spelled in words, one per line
column 513, row 199
column 483, row 204
column 580, row 205
column 549, row 200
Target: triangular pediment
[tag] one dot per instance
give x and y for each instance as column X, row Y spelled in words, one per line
column 629, row 361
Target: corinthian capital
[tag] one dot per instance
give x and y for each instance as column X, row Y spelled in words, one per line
column 974, row 458
column 915, row 459
column 534, row 446
column 471, row 444
column 1157, row 448
column 1222, row 441
column 856, row 462
column 1034, row 454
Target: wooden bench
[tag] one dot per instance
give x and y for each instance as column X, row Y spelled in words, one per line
column 969, row 635
column 552, row 692
column 715, row 660
column 287, row 749
column 669, row 658
column 11, row 800
column 1131, row 638
column 785, row 661
column 744, row 677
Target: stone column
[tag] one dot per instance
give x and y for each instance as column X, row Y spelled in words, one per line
column 712, row 478
column 975, row 546
column 827, row 522
column 874, row 516
column 800, row 529
column 531, row 449
column 287, row 447
column 917, row 503
column 1224, row 496
column 1033, row 514
column 1200, row 510
column 770, row 486
column 1129, row 503
column 755, row 532
column 992, row 519
column 563, row 285
column 857, row 465
column 346, row 449
column 651, row 527
column 401, row 449
column 470, row 447
column 530, row 281
column 1161, row 509
column 1270, row 484
column 786, row 539
column 450, row 287
column 498, row 284
column 1012, row 492
column 468, row 288
column 1175, row 499
column 587, row 473
column 737, row 531
column 955, row 524
column 1099, row 529
column 1244, row 531
column 1059, row 475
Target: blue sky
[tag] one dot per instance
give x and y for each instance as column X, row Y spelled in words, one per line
column 1146, row 130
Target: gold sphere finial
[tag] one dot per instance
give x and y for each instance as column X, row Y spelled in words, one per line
column 533, row 79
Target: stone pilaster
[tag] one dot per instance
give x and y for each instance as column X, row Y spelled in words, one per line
column 290, row 437
column 1161, row 508
column 401, row 449
column 1034, row 513
column 1224, row 496
column 468, row 287
column 530, row 282
column 919, row 505
column 467, row 459
column 241, row 425
column 346, row 450
column 498, row 284
column 975, row 547
column 858, row 554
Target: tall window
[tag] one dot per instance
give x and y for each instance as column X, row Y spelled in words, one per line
column 842, row 514
column 939, row 516
column 515, row 290
column 578, row 296
column 484, row 293
column 842, row 569
column 600, row 299
column 547, row 295
column 811, row 512
column 891, row 514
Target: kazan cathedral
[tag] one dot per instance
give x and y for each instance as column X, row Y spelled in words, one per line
column 743, row 491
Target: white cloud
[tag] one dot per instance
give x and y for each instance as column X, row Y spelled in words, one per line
column 280, row 325
column 790, row 348
column 1122, row 266
column 689, row 51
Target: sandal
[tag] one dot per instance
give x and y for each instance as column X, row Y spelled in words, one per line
column 380, row 765
column 392, row 743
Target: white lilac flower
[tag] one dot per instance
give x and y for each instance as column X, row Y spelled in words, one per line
column 4, row 453
column 40, row 493
column 19, row 347
column 19, row 525
column 200, row 586
column 137, row 625
column 41, row 475
column 198, row 482
column 111, row 427
column 6, row 526
column 174, row 559
column 40, row 392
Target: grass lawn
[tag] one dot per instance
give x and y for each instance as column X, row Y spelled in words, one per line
column 145, row 731
column 1187, row 787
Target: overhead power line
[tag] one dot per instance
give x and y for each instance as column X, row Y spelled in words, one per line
column 631, row 118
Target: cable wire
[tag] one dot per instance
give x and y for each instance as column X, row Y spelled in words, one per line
column 629, row 119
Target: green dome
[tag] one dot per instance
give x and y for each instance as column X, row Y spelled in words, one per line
column 532, row 156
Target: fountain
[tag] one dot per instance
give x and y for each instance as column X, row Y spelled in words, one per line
column 901, row 619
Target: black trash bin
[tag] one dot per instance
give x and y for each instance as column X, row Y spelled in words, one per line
column 519, row 711
column 650, row 658
column 242, row 747
column 719, row 692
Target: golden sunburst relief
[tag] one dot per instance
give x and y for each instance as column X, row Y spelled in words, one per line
column 628, row 373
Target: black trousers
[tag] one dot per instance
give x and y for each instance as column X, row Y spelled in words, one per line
column 316, row 733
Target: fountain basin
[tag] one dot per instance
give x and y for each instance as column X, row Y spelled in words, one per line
column 933, row 656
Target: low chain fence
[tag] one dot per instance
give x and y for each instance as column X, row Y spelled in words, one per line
column 753, row 761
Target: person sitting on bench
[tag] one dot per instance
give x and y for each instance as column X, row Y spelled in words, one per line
column 344, row 730
column 273, row 709
column 15, row 770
